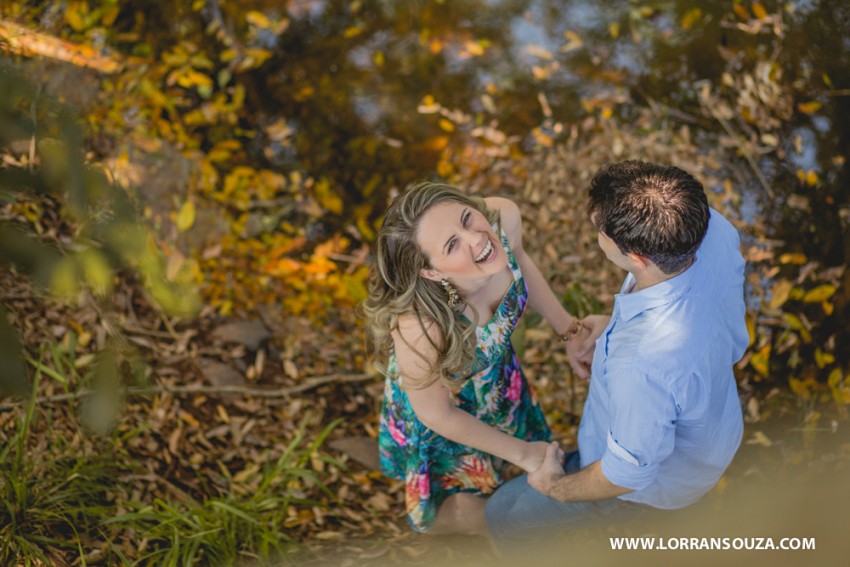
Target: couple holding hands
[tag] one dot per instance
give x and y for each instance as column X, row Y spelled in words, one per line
column 662, row 419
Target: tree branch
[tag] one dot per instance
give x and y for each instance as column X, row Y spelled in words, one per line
column 209, row 390
column 26, row 42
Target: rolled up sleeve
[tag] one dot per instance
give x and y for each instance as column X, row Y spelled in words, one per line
column 642, row 434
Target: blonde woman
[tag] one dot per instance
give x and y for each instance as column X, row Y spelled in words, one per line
column 450, row 281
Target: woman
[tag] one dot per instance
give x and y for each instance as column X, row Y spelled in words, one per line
column 449, row 283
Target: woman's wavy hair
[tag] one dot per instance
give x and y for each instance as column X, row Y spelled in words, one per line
column 397, row 289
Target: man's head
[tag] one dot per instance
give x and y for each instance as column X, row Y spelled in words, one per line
column 657, row 212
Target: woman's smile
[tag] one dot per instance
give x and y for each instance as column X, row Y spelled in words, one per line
column 487, row 253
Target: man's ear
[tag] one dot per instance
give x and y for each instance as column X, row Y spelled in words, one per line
column 430, row 274
column 638, row 261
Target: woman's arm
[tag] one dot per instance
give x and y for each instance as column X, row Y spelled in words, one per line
column 541, row 298
column 434, row 408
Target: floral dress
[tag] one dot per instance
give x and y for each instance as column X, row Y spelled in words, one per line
column 497, row 393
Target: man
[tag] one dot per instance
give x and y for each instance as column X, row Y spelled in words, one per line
column 662, row 419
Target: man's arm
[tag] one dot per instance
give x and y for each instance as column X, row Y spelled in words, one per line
column 587, row 484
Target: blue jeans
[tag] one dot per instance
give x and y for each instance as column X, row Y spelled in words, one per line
column 518, row 513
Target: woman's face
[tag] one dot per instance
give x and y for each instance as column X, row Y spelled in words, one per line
column 459, row 243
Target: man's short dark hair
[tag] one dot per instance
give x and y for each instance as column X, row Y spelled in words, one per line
column 659, row 212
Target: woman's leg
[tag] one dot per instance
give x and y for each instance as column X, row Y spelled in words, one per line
column 461, row 513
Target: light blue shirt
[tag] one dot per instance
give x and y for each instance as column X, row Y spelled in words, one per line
column 662, row 412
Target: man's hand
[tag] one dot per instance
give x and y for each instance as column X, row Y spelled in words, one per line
column 544, row 477
column 580, row 348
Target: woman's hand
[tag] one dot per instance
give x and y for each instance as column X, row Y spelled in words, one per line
column 533, row 455
column 550, row 470
column 580, row 348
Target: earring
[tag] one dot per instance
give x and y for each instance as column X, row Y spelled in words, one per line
column 454, row 296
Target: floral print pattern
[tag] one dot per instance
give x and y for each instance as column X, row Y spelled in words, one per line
column 497, row 393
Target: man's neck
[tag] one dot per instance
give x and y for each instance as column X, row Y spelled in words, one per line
column 651, row 276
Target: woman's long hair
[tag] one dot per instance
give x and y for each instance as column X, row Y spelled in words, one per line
column 397, row 289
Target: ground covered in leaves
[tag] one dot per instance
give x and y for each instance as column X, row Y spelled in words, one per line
column 217, row 403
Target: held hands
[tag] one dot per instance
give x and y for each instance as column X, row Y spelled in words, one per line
column 580, row 347
column 550, row 471
column 533, row 455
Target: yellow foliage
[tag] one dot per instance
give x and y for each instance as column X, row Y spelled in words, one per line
column 800, row 388
column 446, row 125
column 428, row 105
column 823, row 359
column 185, row 216
column 436, row 143
column 327, row 198
column 319, row 266
column 539, row 51
column 760, row 360
column 258, row 19
column 64, row 282
column 809, row 107
column 228, row 55
column 223, row 150
column 573, row 41
column 445, row 168
column 78, row 16
column 304, row 93
column 474, row 48
column 838, row 385
column 835, row 378
column 808, row 177
column 751, row 326
column 173, row 265
column 793, row 258
column 253, row 57
column 268, row 184
column 779, row 293
column 353, row 288
column 96, row 271
column 542, row 138
column 796, row 324
column 540, row 73
column 819, row 294
column 352, row 31
column 370, row 187
column 741, row 11
column 283, row 267
column 690, row 18
column 188, row 78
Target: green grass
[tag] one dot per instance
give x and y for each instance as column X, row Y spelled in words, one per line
column 62, row 499
column 53, row 498
column 248, row 522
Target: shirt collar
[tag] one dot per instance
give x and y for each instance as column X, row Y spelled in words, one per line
column 633, row 304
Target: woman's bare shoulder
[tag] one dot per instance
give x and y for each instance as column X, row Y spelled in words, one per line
column 510, row 216
column 416, row 343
